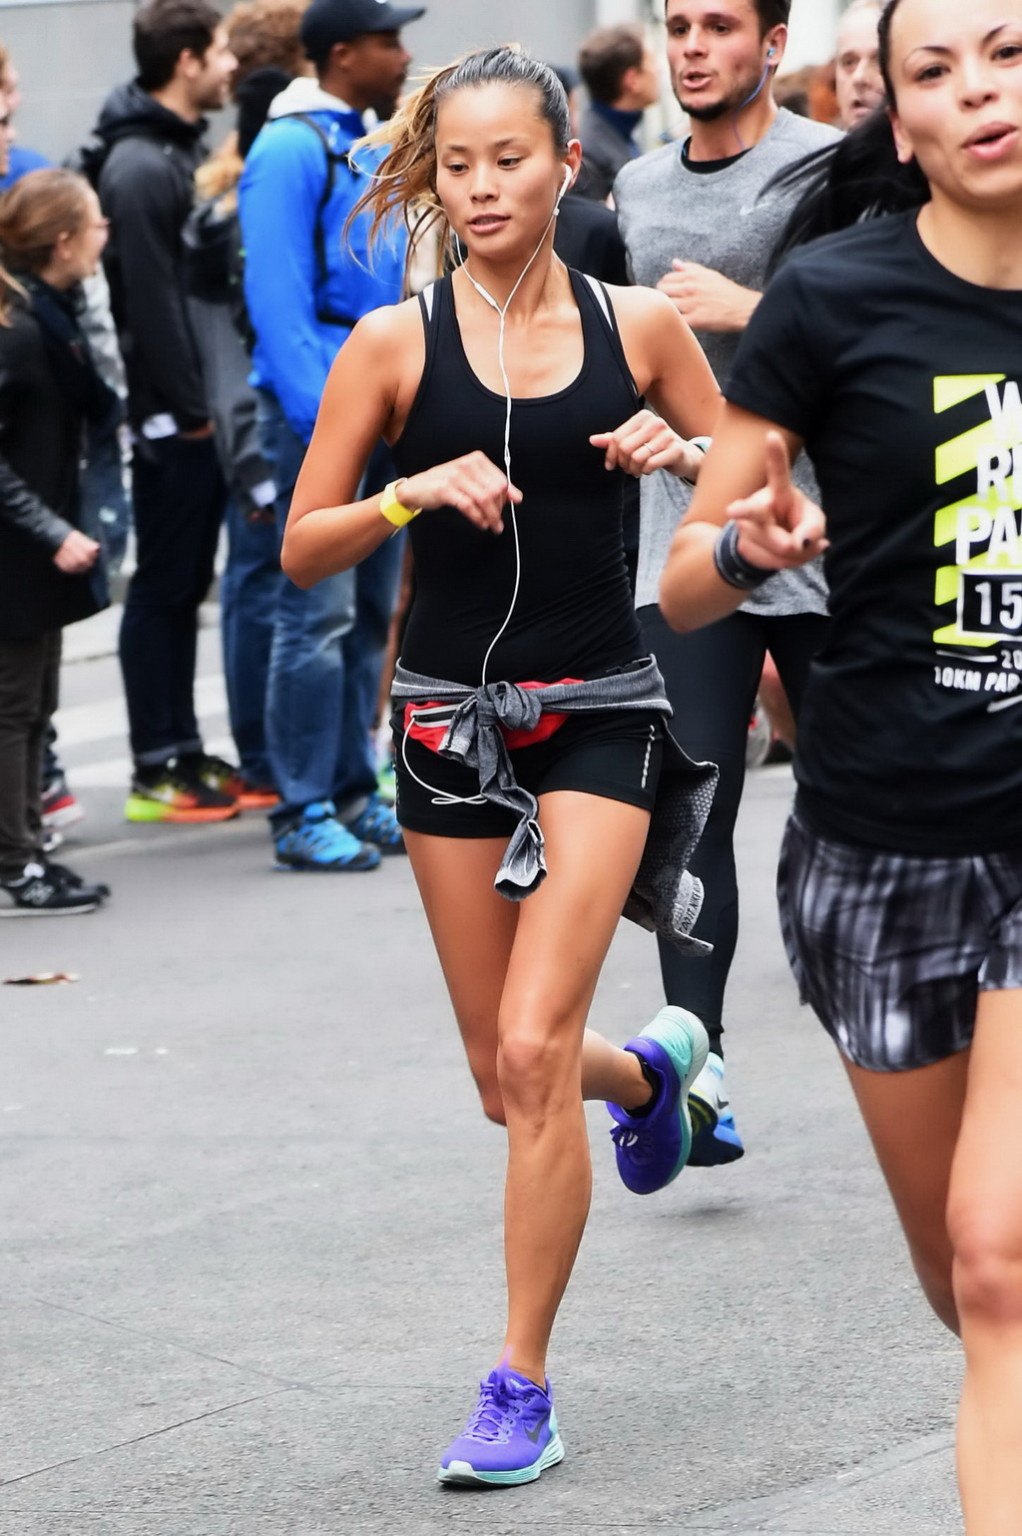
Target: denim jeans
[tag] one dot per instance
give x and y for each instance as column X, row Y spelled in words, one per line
column 249, row 592
column 179, row 496
column 327, row 654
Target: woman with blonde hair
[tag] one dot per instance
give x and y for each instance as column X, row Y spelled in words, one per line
column 51, row 235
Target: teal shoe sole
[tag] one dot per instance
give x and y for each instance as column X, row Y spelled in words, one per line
column 461, row 1474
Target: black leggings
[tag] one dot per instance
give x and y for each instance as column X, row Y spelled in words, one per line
column 712, row 676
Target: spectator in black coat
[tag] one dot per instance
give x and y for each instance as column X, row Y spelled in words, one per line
column 620, row 74
column 51, row 236
column 154, row 128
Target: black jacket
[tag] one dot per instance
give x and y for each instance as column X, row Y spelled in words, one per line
column 604, row 152
column 587, row 238
column 146, row 189
column 43, row 407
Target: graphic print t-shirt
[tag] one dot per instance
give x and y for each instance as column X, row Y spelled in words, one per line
column 906, row 384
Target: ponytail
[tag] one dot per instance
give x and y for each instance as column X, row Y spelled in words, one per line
column 858, row 178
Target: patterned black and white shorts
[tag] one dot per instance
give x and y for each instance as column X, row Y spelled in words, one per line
column 891, row 950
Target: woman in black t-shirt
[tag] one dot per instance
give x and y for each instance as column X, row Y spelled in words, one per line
column 893, row 352
column 508, row 394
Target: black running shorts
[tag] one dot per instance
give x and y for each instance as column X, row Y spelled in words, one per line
column 891, row 950
column 615, row 754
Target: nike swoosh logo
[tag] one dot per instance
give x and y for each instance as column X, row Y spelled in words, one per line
column 534, row 1434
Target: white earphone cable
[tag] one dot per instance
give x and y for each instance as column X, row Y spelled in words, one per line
column 440, row 796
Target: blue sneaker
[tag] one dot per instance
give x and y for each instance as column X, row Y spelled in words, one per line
column 378, row 825
column 714, row 1138
column 510, row 1438
column 320, row 842
column 653, row 1148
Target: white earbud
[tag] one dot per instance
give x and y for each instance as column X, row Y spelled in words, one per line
column 565, row 184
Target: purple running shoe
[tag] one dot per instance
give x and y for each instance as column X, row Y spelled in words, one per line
column 653, row 1148
column 510, row 1438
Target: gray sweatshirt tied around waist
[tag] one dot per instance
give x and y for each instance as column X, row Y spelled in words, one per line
column 666, row 898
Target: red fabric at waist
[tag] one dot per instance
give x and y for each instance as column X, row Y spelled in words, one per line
column 432, row 736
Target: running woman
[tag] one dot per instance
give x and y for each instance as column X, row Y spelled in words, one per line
column 893, row 351
column 520, row 579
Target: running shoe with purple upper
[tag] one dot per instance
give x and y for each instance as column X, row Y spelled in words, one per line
column 653, row 1148
column 510, row 1438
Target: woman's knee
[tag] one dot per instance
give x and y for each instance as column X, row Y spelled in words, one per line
column 987, row 1271
column 537, row 1065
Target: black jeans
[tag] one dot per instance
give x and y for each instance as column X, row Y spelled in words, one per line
column 29, row 682
column 712, row 676
column 179, row 497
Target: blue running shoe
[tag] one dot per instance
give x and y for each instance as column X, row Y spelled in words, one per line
column 510, row 1438
column 714, row 1138
column 653, row 1148
column 320, row 842
column 378, row 825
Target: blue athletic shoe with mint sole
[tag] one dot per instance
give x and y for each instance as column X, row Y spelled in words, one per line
column 319, row 842
column 715, row 1140
column 377, row 824
column 510, row 1438
column 653, row 1148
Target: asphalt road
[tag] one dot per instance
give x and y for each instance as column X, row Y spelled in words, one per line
column 251, row 1266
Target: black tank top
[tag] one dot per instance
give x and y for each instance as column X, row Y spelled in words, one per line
column 574, row 616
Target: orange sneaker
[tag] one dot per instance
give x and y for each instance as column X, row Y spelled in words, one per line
column 175, row 798
column 257, row 797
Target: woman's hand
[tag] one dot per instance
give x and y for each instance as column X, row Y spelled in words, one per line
column 645, row 443
column 473, row 485
column 77, row 554
column 779, row 527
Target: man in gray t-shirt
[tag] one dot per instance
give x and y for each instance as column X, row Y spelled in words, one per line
column 697, row 225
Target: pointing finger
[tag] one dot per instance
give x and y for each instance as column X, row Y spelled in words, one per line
column 778, row 467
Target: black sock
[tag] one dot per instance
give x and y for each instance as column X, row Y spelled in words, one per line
column 652, row 1077
column 150, row 773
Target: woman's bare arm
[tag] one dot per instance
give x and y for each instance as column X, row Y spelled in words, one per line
column 327, row 530
column 670, row 368
column 746, row 478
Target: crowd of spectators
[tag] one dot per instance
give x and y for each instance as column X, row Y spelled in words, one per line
column 199, row 341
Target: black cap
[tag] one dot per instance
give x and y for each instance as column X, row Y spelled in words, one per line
column 327, row 22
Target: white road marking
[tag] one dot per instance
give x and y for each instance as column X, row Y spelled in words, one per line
column 82, row 723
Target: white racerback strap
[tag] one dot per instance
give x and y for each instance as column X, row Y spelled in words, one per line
column 600, row 294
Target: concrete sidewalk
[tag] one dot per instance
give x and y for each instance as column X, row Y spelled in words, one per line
column 252, row 1269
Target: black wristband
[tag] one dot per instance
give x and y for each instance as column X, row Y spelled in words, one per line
column 733, row 567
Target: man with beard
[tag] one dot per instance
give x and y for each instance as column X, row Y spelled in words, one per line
column 698, row 226
column 152, row 132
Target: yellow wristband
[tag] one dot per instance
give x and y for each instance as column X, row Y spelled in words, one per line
column 393, row 509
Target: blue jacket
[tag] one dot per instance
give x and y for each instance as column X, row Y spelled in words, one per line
column 281, row 186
